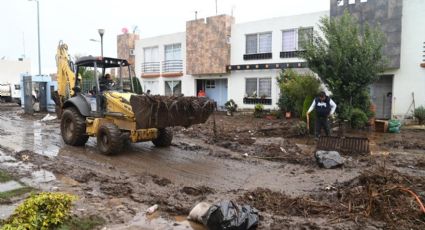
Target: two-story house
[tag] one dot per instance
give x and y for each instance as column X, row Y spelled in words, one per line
column 226, row 60
column 242, row 61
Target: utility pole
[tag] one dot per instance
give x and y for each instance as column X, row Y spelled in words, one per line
column 216, row 11
column 38, row 32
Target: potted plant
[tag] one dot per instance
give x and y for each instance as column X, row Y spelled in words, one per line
column 231, row 107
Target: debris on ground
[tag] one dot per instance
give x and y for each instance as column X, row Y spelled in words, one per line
column 230, row 215
column 152, row 209
column 329, row 159
column 48, row 117
column 198, row 211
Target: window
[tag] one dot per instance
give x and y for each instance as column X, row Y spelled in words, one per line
column 259, row 43
column 289, row 40
column 340, row 2
column 258, row 87
column 150, row 54
column 296, row 39
column 305, row 36
column 251, row 44
column 173, row 88
column 210, row 84
column 351, row 1
column 18, row 87
column 172, row 52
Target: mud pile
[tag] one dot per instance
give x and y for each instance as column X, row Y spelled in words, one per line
column 386, row 195
column 166, row 111
column 381, row 195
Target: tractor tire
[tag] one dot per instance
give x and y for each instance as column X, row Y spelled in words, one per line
column 73, row 127
column 109, row 139
column 165, row 136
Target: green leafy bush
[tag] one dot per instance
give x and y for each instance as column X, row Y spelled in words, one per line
column 300, row 128
column 231, row 106
column 294, row 88
column 258, row 110
column 420, row 114
column 358, row 118
column 41, row 211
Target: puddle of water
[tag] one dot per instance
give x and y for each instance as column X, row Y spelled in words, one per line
column 155, row 221
column 39, row 179
column 9, row 186
column 184, row 221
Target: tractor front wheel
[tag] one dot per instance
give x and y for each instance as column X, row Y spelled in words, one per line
column 165, row 136
column 73, row 127
column 109, row 139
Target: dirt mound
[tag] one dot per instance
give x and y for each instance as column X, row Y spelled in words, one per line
column 285, row 151
column 197, row 191
column 386, row 195
column 278, row 203
column 381, row 195
column 161, row 181
column 116, row 188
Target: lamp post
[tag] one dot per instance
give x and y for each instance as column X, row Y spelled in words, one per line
column 38, row 32
column 101, row 33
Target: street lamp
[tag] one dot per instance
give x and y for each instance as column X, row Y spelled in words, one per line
column 38, row 31
column 101, row 33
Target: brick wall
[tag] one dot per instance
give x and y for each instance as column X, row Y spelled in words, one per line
column 207, row 46
column 125, row 43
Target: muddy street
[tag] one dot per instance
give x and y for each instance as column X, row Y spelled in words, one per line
column 253, row 160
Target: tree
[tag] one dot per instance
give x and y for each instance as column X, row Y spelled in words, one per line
column 347, row 58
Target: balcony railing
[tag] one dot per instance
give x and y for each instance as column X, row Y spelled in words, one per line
column 172, row 66
column 150, row 67
column 257, row 56
column 291, row 54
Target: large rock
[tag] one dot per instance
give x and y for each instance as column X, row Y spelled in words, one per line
column 329, row 159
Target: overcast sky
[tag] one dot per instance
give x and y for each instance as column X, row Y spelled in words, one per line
column 76, row 22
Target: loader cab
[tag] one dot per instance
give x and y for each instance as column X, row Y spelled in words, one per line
column 90, row 79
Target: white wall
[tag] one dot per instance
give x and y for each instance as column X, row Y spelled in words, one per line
column 11, row 70
column 188, row 83
column 410, row 77
column 274, row 25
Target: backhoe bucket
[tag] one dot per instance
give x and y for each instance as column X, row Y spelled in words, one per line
column 168, row 111
column 344, row 144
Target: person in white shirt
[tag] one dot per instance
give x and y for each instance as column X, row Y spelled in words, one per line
column 324, row 107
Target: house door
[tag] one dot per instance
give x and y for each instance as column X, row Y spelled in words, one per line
column 215, row 89
column 382, row 96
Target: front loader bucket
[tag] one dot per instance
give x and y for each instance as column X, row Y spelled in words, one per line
column 344, row 144
column 166, row 111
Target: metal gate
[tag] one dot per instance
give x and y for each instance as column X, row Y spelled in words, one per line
column 28, row 98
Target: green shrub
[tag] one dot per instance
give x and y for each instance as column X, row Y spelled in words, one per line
column 300, row 128
column 258, row 110
column 306, row 105
column 231, row 106
column 358, row 118
column 420, row 114
column 41, row 211
column 294, row 88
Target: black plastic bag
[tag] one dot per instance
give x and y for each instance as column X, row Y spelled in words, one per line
column 229, row 215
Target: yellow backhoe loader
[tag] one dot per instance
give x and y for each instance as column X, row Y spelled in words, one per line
column 93, row 106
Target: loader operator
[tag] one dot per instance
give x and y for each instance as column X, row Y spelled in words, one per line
column 106, row 82
column 324, row 107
